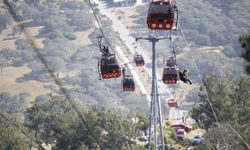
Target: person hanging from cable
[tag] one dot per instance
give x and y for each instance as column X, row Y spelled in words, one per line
column 183, row 76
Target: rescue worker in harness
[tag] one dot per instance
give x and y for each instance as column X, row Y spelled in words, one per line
column 183, row 76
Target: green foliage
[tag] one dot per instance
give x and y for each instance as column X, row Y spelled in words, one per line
column 209, row 22
column 96, row 127
column 59, row 21
column 213, row 139
column 169, row 137
column 137, row 147
column 230, row 52
column 245, row 43
column 70, row 36
column 13, row 104
column 167, row 123
column 11, row 135
column 231, row 101
column 81, row 20
column 5, row 20
column 29, row 11
column 194, row 126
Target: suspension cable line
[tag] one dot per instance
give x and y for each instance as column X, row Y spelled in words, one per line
column 99, row 25
column 49, row 69
column 15, row 124
column 228, row 124
column 205, row 90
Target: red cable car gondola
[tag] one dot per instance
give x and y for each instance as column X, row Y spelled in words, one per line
column 128, row 83
column 171, row 71
column 172, row 103
column 170, row 75
column 139, row 60
column 109, row 67
column 162, row 15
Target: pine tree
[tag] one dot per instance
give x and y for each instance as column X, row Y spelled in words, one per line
column 245, row 43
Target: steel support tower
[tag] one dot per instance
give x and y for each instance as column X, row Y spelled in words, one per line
column 155, row 106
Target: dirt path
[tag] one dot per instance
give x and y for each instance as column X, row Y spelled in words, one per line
column 10, row 74
column 7, row 40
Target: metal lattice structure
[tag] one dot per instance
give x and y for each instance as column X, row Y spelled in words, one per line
column 155, row 106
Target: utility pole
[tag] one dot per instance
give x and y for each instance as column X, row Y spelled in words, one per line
column 155, row 105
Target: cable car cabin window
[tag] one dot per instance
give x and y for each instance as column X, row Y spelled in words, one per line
column 171, row 62
column 161, row 11
column 128, row 82
column 139, row 60
column 110, row 64
column 170, row 73
column 138, row 57
column 170, row 76
column 110, row 67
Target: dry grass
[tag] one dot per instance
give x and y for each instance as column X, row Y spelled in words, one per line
column 82, row 38
column 126, row 15
column 10, row 74
column 8, row 41
column 8, row 83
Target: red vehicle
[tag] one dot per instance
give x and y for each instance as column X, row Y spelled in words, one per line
column 181, row 126
column 108, row 67
column 170, row 75
column 139, row 60
column 162, row 15
column 172, row 103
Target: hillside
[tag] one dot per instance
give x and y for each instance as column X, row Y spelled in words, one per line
column 49, row 55
column 68, row 44
column 210, row 43
column 213, row 27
